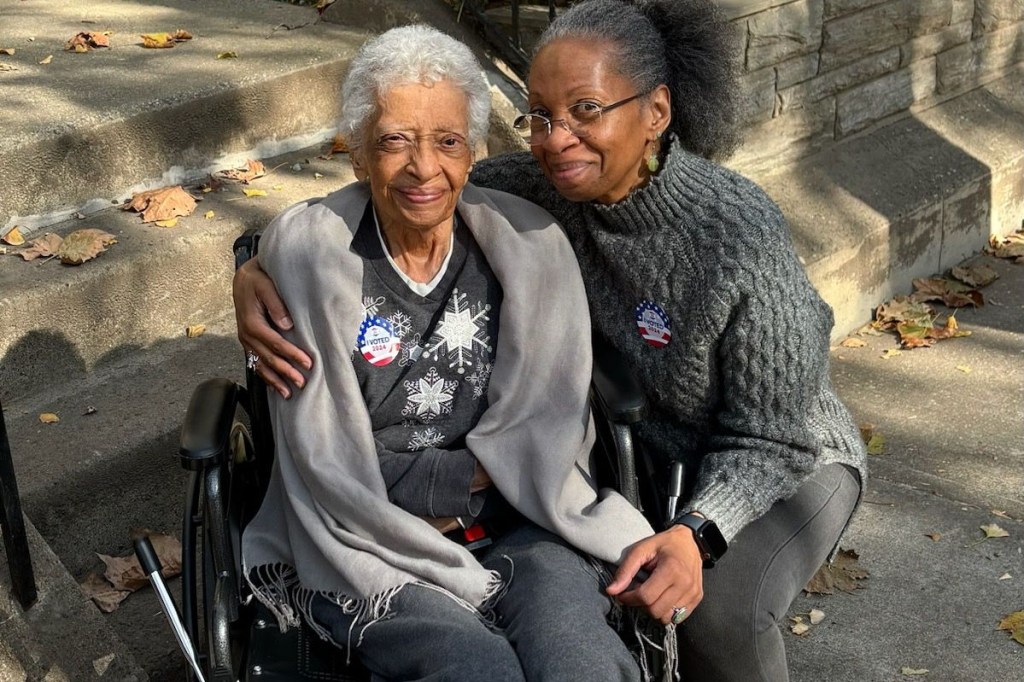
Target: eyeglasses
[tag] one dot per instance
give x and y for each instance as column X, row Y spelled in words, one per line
column 582, row 117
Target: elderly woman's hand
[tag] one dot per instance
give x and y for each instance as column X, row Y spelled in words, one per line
column 256, row 298
column 676, row 579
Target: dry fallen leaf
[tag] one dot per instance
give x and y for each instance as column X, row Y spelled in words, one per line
column 162, row 204
column 843, row 574
column 1014, row 624
column 1010, row 246
column 317, row 176
column 84, row 245
column 125, row 573
column 182, row 35
column 934, row 536
column 106, row 597
column 7, row 67
column 876, row 444
column 1006, row 576
column 7, row 50
column 913, row 671
column 816, row 616
column 954, row 294
column 49, row 418
column 47, row 59
column 992, row 530
column 1000, row 513
column 851, row 342
column 964, row 368
column 799, row 627
column 166, row 223
column 13, row 237
column 87, row 40
column 253, row 169
column 157, row 40
column 102, row 664
column 192, row 331
column 227, row 55
column 255, row 192
column 977, row 275
column 890, row 353
column 42, row 247
column 209, row 214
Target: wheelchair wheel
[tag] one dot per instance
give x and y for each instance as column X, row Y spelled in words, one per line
column 231, row 495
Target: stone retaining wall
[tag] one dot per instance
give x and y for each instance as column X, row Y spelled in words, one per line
column 818, row 71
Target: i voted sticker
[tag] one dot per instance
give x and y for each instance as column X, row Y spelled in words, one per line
column 377, row 341
column 653, row 324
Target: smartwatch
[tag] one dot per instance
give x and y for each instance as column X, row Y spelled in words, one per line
column 709, row 539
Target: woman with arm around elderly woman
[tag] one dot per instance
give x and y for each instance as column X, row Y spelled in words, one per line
column 690, row 272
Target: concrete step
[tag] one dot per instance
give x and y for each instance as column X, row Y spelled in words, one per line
column 86, row 128
column 907, row 200
column 62, row 637
column 109, row 467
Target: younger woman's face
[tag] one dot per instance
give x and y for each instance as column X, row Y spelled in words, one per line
column 610, row 159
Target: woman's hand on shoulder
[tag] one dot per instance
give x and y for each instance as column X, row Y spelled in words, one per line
column 256, row 299
column 673, row 562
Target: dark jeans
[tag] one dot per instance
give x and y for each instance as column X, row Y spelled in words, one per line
column 553, row 624
column 733, row 635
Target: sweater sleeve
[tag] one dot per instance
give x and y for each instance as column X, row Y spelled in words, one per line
column 772, row 362
column 429, row 482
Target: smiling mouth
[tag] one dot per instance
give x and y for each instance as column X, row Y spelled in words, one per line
column 566, row 172
column 420, row 196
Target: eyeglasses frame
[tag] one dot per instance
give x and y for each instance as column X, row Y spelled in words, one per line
column 565, row 124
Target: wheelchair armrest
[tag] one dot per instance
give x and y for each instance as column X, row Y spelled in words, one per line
column 246, row 246
column 207, row 426
column 617, row 390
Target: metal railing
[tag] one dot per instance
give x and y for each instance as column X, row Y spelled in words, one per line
column 19, row 561
column 508, row 41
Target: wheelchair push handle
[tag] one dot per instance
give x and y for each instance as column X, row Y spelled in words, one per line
column 151, row 567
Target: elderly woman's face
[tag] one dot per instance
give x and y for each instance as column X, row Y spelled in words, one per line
column 417, row 155
column 608, row 159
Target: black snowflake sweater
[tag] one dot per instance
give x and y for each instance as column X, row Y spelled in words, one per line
column 423, row 364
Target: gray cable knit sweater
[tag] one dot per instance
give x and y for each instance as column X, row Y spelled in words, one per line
column 741, row 393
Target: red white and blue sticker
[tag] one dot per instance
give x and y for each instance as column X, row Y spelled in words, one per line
column 654, row 325
column 377, row 341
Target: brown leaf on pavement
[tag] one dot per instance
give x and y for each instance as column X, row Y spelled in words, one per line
column 157, row 40
column 1010, row 246
column 125, row 573
column 13, row 237
column 1014, row 624
column 46, row 60
column 181, row 35
column 49, row 418
column 977, row 275
column 992, row 530
column 7, row 51
column 851, row 342
column 902, row 309
column 935, row 537
column 952, row 293
column 162, row 204
column 87, row 40
column 42, row 247
column 253, row 169
column 106, row 597
column 843, row 574
column 84, row 245
column 910, row 672
column 194, row 330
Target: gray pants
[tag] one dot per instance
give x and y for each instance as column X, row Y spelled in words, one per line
column 733, row 635
column 553, row 624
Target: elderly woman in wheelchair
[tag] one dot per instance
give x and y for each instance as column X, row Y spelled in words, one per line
column 432, row 507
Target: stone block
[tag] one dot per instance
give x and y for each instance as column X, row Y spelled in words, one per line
column 734, row 9
column 757, row 95
column 783, row 32
column 966, row 66
column 933, row 43
column 848, row 38
column 1008, row 198
column 992, row 15
column 966, row 217
column 799, row 132
column 963, row 10
column 796, row 70
column 859, row 107
column 837, row 8
column 828, row 84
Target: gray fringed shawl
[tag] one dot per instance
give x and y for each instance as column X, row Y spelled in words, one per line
column 326, row 525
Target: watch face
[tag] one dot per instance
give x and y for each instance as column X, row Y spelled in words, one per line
column 714, row 540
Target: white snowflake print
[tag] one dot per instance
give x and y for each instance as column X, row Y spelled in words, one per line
column 371, row 305
column 461, row 330
column 401, row 323
column 479, row 379
column 428, row 438
column 430, row 396
column 411, row 351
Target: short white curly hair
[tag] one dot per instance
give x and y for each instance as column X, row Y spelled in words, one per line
column 411, row 54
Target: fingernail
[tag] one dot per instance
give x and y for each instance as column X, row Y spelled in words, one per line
column 286, row 322
column 284, row 394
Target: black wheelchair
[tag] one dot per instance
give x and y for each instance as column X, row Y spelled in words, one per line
column 228, row 448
